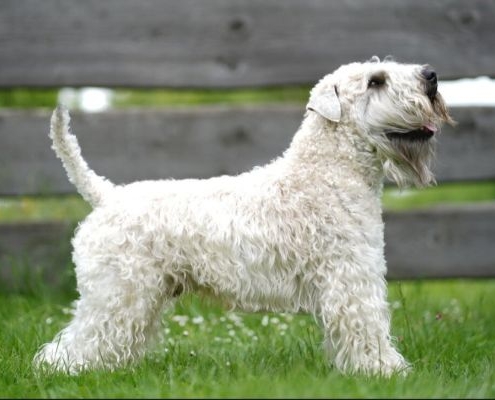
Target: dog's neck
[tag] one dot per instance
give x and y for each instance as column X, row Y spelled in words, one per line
column 338, row 156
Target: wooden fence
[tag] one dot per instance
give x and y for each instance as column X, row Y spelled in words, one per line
column 232, row 44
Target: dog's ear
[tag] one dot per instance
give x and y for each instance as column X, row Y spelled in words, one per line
column 327, row 104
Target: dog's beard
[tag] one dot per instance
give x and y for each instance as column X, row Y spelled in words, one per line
column 408, row 161
column 406, row 148
column 405, row 153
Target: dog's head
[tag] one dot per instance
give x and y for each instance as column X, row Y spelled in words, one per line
column 395, row 108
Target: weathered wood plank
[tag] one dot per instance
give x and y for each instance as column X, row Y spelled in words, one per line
column 128, row 145
column 226, row 43
column 440, row 243
column 34, row 253
column 467, row 151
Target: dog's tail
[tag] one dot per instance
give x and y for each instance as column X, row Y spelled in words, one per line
column 91, row 186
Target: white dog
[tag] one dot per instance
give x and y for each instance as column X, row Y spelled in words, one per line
column 303, row 233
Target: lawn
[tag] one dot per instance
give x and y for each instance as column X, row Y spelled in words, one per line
column 445, row 328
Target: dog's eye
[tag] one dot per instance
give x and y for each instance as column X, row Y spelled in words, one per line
column 376, row 81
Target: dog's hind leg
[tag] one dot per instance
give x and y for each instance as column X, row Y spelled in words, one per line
column 115, row 318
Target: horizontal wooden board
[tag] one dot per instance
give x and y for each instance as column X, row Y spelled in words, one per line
column 227, row 43
column 35, row 253
column 441, row 243
column 132, row 145
column 129, row 145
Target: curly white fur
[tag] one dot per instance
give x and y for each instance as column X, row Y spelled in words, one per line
column 303, row 233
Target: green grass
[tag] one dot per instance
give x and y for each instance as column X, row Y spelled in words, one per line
column 445, row 328
column 173, row 97
column 446, row 193
column 73, row 207
column 122, row 97
column 43, row 208
column 27, row 97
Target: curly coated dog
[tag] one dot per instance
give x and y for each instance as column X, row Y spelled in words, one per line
column 301, row 234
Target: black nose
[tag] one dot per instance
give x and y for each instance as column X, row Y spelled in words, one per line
column 431, row 81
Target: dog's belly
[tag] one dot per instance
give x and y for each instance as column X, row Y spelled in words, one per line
column 249, row 277
column 254, row 288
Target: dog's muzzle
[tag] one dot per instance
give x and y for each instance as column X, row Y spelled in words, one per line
column 427, row 131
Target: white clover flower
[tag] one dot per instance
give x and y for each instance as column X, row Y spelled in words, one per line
column 396, row 305
column 236, row 319
column 265, row 320
column 180, row 319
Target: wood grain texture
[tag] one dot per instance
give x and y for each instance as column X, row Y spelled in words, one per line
column 35, row 253
column 145, row 144
column 441, row 243
column 199, row 142
column 448, row 242
column 232, row 43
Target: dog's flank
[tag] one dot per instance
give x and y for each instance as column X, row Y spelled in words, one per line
column 303, row 233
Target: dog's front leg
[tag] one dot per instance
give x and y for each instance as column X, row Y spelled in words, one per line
column 356, row 320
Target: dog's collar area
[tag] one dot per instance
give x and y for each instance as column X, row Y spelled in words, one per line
column 416, row 135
